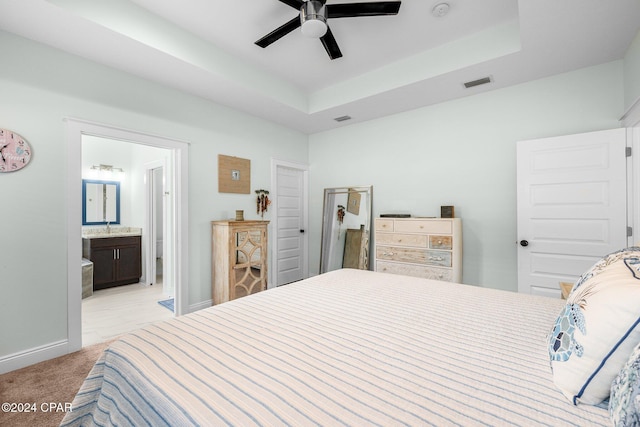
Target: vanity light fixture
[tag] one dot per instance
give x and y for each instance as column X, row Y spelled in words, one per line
column 107, row 172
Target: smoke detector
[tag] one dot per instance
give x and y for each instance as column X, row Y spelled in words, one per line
column 440, row 10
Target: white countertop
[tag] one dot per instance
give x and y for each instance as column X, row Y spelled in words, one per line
column 113, row 231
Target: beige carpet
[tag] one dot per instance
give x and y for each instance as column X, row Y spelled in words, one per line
column 56, row 380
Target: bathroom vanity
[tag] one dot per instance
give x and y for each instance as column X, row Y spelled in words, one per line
column 117, row 258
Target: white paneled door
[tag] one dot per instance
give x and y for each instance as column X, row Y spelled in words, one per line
column 572, row 206
column 290, row 226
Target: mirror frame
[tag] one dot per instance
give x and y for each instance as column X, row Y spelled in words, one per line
column 328, row 215
column 84, row 201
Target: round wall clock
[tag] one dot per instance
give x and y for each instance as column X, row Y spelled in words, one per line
column 15, row 151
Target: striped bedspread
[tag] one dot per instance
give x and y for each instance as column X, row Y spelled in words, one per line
column 348, row 347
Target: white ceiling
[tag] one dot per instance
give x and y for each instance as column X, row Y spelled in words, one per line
column 390, row 63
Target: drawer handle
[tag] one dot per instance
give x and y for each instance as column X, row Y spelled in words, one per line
column 436, row 258
column 388, row 253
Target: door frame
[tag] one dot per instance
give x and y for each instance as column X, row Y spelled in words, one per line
column 150, row 220
column 275, row 165
column 631, row 121
column 74, row 129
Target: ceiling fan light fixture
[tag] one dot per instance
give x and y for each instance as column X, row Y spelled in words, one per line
column 314, row 28
column 313, row 19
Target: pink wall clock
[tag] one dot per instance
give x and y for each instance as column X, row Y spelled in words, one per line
column 15, row 151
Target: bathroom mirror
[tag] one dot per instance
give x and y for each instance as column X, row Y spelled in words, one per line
column 346, row 225
column 100, row 202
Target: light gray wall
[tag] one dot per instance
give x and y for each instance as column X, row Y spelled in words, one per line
column 41, row 86
column 632, row 73
column 462, row 153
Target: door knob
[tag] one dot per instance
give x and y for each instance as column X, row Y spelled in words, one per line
column 524, row 243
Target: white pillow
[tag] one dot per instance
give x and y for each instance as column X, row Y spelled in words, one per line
column 625, row 392
column 598, row 328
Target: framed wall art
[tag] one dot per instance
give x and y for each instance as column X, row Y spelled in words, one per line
column 234, row 174
column 353, row 202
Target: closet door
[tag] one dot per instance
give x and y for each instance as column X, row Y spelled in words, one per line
column 572, row 206
column 290, row 240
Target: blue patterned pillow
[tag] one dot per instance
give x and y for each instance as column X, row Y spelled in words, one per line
column 598, row 328
column 624, row 402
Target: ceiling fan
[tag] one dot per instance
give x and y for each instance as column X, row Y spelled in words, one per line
column 313, row 20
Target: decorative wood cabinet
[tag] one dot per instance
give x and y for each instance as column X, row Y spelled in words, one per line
column 421, row 247
column 116, row 260
column 238, row 259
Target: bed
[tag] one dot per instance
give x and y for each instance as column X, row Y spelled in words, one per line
column 348, row 347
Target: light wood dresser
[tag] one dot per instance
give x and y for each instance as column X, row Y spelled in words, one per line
column 238, row 259
column 420, row 247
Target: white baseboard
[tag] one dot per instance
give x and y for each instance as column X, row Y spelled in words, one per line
column 200, row 305
column 29, row 357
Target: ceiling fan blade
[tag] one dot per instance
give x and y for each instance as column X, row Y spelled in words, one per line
column 279, row 32
column 296, row 4
column 350, row 10
column 330, row 45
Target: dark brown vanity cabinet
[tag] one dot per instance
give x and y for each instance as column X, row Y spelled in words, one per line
column 116, row 260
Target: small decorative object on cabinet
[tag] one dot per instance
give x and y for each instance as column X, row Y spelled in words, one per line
column 421, row 247
column 116, row 260
column 239, row 259
column 447, row 212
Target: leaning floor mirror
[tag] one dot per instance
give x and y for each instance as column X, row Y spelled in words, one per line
column 346, row 225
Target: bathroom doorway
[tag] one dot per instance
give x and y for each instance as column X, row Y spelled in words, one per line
column 140, row 210
column 176, row 179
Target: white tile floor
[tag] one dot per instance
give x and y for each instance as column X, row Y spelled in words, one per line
column 111, row 312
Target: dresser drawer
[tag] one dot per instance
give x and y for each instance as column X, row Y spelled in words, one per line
column 440, row 242
column 423, row 226
column 433, row 273
column 384, row 224
column 419, row 240
column 416, row 256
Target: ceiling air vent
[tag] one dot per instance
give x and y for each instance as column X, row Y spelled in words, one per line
column 342, row 118
column 478, row 82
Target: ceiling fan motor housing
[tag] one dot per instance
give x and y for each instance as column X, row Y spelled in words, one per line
column 313, row 19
